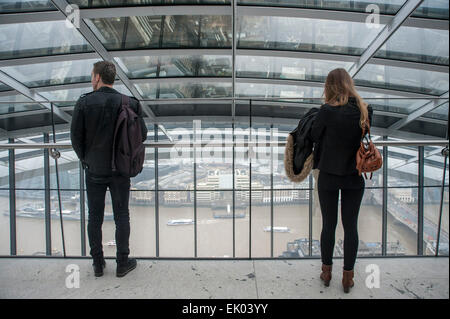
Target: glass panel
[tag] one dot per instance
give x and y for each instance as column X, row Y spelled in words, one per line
column 177, row 31
column 54, row 73
column 176, row 66
column 122, row 3
column 4, row 87
column 13, row 6
column 29, row 169
column 392, row 103
column 432, row 9
column 431, row 221
column 68, row 166
column 440, row 112
column 176, row 224
column 276, row 90
column 431, row 128
column 242, row 226
column 70, row 203
column 214, row 164
column 385, row 7
column 6, row 108
column 402, row 221
column 175, row 167
column 185, row 90
column 214, row 225
column 286, row 68
column 72, row 95
column 434, row 167
column 40, row 38
column 396, row 78
column 146, row 179
column 302, row 34
column 4, row 222
column 142, row 224
column 30, row 223
column 4, row 167
column 261, row 210
column 428, row 46
column 290, row 223
column 403, row 168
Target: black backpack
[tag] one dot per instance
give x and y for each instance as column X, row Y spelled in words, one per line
column 128, row 147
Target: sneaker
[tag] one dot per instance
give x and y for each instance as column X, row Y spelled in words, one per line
column 98, row 268
column 125, row 268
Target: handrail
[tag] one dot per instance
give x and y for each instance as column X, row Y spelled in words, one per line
column 256, row 98
column 223, row 144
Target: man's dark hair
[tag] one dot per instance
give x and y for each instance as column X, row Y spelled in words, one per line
column 106, row 70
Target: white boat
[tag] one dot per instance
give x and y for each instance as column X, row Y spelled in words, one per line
column 280, row 229
column 111, row 243
column 175, row 222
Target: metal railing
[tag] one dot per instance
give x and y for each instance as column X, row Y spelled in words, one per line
column 156, row 145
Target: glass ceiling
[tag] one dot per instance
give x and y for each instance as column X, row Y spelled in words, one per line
column 285, row 49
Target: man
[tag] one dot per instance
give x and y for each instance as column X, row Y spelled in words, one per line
column 92, row 134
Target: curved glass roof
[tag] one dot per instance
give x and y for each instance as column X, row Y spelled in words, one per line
column 179, row 55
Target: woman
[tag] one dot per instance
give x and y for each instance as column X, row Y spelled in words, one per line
column 337, row 131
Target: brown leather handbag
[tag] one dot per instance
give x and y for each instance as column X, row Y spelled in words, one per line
column 368, row 157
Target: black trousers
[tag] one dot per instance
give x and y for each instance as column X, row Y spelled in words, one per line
column 119, row 188
column 352, row 191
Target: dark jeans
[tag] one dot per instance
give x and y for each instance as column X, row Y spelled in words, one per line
column 119, row 188
column 352, row 191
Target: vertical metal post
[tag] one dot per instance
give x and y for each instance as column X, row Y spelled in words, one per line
column 385, row 199
column 155, row 127
column 195, row 190
column 271, row 192
column 234, row 194
column 82, row 212
column 421, row 198
column 47, row 203
column 441, row 205
column 311, row 186
column 250, row 157
column 12, row 200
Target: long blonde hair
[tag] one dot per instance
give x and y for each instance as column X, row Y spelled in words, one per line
column 339, row 86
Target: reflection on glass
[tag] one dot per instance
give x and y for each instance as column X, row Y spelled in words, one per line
column 54, row 73
column 391, row 102
column 175, row 169
column 72, row 95
column 302, row 34
column 276, row 90
column 432, row 9
column 16, row 6
column 432, row 203
column 440, row 112
column 403, row 79
column 122, row 3
column 176, row 66
column 437, row 128
column 402, row 221
column 185, row 90
column 290, row 223
column 176, row 224
column 429, row 46
column 286, row 68
column 17, row 107
column 29, row 168
column 39, row 39
column 30, row 223
column 214, row 225
column 4, row 220
column 384, row 6
column 163, row 31
column 403, row 168
column 434, row 166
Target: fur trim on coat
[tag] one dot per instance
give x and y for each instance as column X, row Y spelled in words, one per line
column 289, row 162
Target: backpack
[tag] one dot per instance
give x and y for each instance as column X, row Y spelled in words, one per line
column 128, row 147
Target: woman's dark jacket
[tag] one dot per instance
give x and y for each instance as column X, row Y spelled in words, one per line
column 337, row 135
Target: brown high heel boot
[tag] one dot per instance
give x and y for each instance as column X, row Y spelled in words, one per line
column 347, row 280
column 326, row 274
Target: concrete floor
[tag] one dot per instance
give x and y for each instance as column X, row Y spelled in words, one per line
column 193, row 279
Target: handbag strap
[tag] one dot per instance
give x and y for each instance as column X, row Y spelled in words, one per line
column 368, row 130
